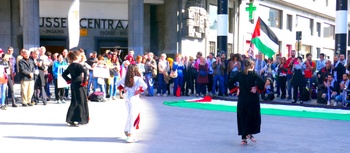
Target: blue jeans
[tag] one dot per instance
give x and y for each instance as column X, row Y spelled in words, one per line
column 178, row 81
column 114, row 86
column 339, row 98
column 92, row 81
column 225, row 91
column 150, row 83
column 289, row 83
column 308, row 82
column 161, row 84
column 202, row 89
column 3, row 93
column 47, row 89
column 219, row 78
column 102, row 89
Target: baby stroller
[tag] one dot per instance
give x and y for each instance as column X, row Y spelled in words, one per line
column 346, row 100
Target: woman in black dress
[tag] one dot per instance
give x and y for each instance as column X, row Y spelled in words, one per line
column 78, row 112
column 248, row 106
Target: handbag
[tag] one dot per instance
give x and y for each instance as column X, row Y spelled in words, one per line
column 173, row 74
column 3, row 79
column 112, row 72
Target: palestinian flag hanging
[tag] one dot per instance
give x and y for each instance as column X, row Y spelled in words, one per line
column 264, row 39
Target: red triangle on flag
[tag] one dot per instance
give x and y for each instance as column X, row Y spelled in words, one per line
column 204, row 99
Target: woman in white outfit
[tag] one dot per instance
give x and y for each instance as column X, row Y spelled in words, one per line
column 133, row 85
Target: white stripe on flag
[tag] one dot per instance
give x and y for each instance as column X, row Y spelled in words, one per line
column 267, row 41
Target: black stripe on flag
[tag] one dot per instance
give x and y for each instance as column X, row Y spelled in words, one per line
column 268, row 31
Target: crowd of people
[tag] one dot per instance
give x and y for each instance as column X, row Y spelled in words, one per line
column 251, row 79
column 189, row 76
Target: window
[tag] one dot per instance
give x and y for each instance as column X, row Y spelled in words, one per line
column 271, row 16
column 305, row 25
column 289, row 22
column 213, row 17
column 312, row 27
column 229, row 49
column 318, row 28
column 328, row 31
column 318, row 50
column 306, row 49
column 212, row 47
column 230, row 20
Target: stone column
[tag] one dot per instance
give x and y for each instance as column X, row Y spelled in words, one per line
column 31, row 33
column 5, row 24
column 136, row 26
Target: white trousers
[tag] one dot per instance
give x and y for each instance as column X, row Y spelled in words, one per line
column 132, row 108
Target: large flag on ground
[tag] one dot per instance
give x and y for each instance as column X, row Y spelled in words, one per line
column 73, row 24
column 264, row 39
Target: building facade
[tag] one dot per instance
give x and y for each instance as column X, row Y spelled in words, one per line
column 166, row 26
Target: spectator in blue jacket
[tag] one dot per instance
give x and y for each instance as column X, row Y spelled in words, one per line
column 56, row 70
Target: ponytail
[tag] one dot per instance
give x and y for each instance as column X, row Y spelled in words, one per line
column 248, row 65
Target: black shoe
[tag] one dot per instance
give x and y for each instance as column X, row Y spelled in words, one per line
column 301, row 102
column 24, row 105
column 283, row 97
column 30, row 104
column 289, row 98
column 44, row 103
column 278, row 96
column 14, row 105
column 293, row 102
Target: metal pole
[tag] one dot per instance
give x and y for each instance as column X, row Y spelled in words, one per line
column 341, row 27
column 222, row 26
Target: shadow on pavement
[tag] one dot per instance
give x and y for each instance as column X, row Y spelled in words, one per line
column 33, row 124
column 82, row 139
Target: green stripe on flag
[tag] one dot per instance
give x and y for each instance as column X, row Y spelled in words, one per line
column 264, row 111
column 262, row 47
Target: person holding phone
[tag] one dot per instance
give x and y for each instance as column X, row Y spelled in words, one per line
column 289, row 65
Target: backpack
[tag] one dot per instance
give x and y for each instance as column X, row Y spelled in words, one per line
column 305, row 94
column 202, row 73
column 320, row 100
column 97, row 97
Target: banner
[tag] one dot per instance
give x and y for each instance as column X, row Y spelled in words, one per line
column 100, row 72
column 61, row 83
column 74, row 24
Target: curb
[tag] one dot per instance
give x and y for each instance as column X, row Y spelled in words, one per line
column 305, row 104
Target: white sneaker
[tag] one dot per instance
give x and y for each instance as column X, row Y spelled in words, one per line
column 165, row 95
column 335, row 104
column 328, row 103
column 63, row 101
column 58, row 101
column 158, row 95
column 130, row 140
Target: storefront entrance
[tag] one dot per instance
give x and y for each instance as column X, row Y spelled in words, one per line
column 103, row 44
column 54, row 44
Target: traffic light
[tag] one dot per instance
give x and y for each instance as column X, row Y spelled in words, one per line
column 298, row 35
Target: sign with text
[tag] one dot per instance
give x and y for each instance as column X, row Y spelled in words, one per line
column 100, row 72
column 87, row 23
column 61, row 83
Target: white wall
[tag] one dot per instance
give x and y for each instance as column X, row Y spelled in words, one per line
column 88, row 9
column 288, row 37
